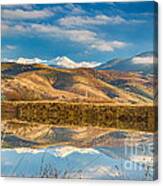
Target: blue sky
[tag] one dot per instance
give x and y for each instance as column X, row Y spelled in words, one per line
column 83, row 32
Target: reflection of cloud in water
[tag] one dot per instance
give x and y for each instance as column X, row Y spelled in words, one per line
column 60, row 151
column 72, row 162
column 67, row 150
column 111, row 156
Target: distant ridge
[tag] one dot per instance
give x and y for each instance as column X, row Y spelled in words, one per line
column 58, row 62
column 42, row 82
column 143, row 63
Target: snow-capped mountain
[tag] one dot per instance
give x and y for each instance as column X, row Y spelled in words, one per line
column 25, row 61
column 58, row 62
column 65, row 62
column 145, row 62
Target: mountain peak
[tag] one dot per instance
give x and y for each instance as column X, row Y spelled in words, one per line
column 65, row 62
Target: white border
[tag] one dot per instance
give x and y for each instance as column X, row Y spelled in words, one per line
column 49, row 182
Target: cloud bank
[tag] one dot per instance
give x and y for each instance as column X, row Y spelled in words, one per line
column 20, row 14
column 144, row 60
column 81, row 36
column 70, row 22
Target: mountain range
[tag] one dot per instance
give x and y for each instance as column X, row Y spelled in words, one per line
column 44, row 82
column 145, row 63
column 142, row 63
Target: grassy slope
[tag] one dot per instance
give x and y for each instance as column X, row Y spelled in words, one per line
column 40, row 82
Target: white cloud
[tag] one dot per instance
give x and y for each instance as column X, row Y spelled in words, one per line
column 105, row 46
column 89, row 64
column 74, row 9
column 102, row 46
column 10, row 47
column 19, row 6
column 118, row 44
column 144, row 60
column 20, row 14
column 85, row 20
column 81, row 36
column 4, row 28
column 84, row 36
column 135, row 21
column 8, row 28
column 76, row 34
column 101, row 19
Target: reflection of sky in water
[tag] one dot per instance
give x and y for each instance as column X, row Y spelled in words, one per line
column 72, row 162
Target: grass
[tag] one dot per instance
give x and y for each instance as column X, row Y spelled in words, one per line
column 143, row 118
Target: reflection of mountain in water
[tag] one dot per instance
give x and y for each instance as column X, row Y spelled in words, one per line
column 23, row 134
column 73, row 162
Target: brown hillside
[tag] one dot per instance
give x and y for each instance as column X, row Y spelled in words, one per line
column 41, row 82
